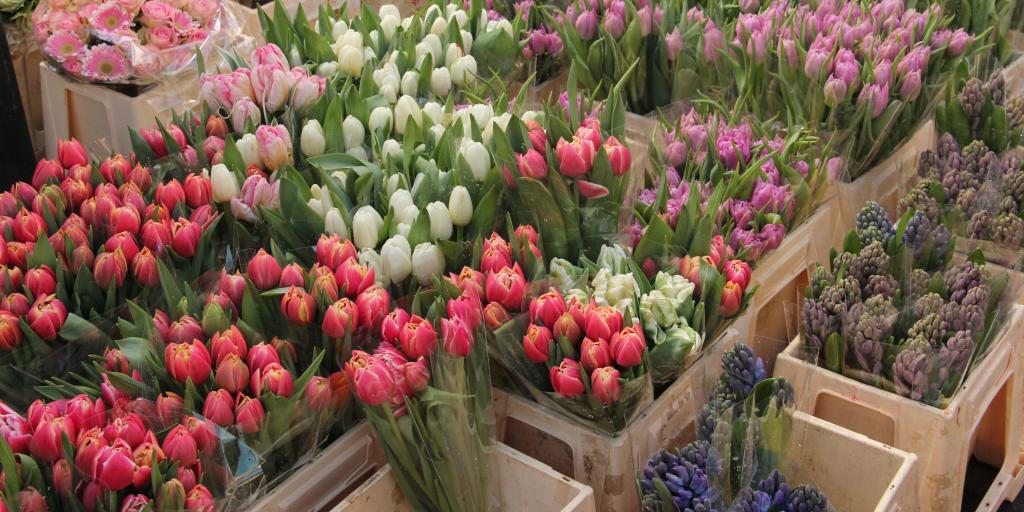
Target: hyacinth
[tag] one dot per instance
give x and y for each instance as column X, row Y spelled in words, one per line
column 980, row 225
column 807, row 498
column 842, row 261
column 817, row 323
column 958, row 351
column 990, row 167
column 1013, row 185
column 954, row 181
column 913, row 368
column 743, row 369
column 919, row 230
column 1013, row 160
column 701, row 453
column 1007, row 206
column 1008, row 229
column 687, row 483
column 972, row 155
column 720, row 403
column 928, row 164
column 866, row 328
column 1015, row 112
column 929, row 328
column 774, row 485
column 880, row 284
column 918, row 281
column 958, row 317
column 871, row 260
column 942, row 242
column 961, row 278
column 927, row 304
column 873, row 224
column 967, row 201
column 977, row 296
column 820, row 278
column 996, row 87
column 838, row 297
column 750, row 500
column 947, row 146
column 919, row 200
column 972, row 98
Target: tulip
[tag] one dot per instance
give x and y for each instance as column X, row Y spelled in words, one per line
column 835, row 92
column 738, row 271
column 372, row 379
column 547, row 308
column 47, row 316
column 219, row 407
column 40, row 281
column 261, row 355
column 179, row 445
column 393, row 324
column 136, row 503
column 199, row 499
column 396, row 258
column 169, row 407
column 463, row 70
column 628, row 347
column 198, row 190
column 418, row 338
column 353, row 278
column 16, row 431
column 602, row 322
column 332, row 251
column 366, row 226
column 186, row 361
column 595, row 354
column 460, row 206
column 71, row 153
column 10, row 278
column 957, row 45
column 298, row 306
column 292, row 275
column 732, row 299
column 319, row 395
column 171, row 496
column 416, row 375
column 249, row 414
column 478, row 158
column 275, row 146
column 440, row 221
column 311, row 141
column 249, row 147
column 85, row 413
column 31, row 500
column 184, row 330
column 495, row 315
column 264, row 270
column 62, row 477
column 618, row 155
column 28, row 226
column 910, row 87
column 565, row 379
column 537, row 343
column 144, row 268
column 605, row 385
column 232, row 374
column 156, row 236
column 341, row 318
column 114, row 469
column 47, row 171
column 427, row 262
column 10, row 331
column 456, row 336
column 16, row 303
column 875, row 98
column 507, row 287
column 47, row 437
column 185, row 237
column 575, row 158
column 273, row 378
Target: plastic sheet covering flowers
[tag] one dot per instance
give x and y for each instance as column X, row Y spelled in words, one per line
column 892, row 311
column 739, row 460
column 129, row 42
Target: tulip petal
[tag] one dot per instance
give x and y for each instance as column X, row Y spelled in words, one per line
column 591, row 190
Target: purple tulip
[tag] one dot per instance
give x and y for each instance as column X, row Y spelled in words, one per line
column 835, row 92
column 614, row 24
column 586, row 25
column 802, row 168
column 875, row 98
column 888, row 50
column 911, row 86
column 750, row 5
column 768, row 198
column 555, row 44
column 648, row 196
column 772, row 235
column 916, row 60
column 733, row 145
column 695, row 16
column 648, row 19
column 697, row 137
column 740, row 211
column 673, row 43
column 771, row 173
column 883, row 72
column 941, row 38
column 745, row 239
column 538, row 42
column 847, row 68
column 958, row 43
column 788, row 54
column 713, row 42
column 676, row 152
column 618, row 7
column 835, row 168
column 817, row 63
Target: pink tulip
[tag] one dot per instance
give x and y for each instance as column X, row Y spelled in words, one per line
column 331, row 251
column 169, row 407
column 341, row 318
column 532, row 164
column 565, row 379
column 47, row 171
column 31, row 500
column 169, row 194
column 232, row 374
column 184, row 330
column 198, row 190
column 62, row 477
column 114, row 469
column 393, row 324
column 547, row 308
column 47, row 316
column 618, row 155
column 298, row 306
column 292, row 275
column 418, row 338
column 353, row 278
column 416, row 375
column 275, row 146
column 875, row 98
column 185, row 236
column 373, row 380
column 628, row 347
column 16, row 432
column 307, row 91
column 272, row 86
column 85, row 412
column 264, row 270
column 47, row 437
column 243, row 113
column 222, row 91
column 507, row 287
column 456, row 336
column 71, row 153
column 602, row 322
column 186, row 361
column 732, row 299
column 273, row 378
column 249, row 414
column 28, row 226
column 467, row 307
column 372, row 306
column 605, row 385
column 156, row 236
column 179, row 445
column 537, row 343
column 586, row 25
column 575, row 158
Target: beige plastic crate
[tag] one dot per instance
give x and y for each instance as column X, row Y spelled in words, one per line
column 333, row 474
column 984, row 418
column 1016, row 40
column 1014, row 76
column 99, row 117
column 857, row 473
column 523, row 485
column 607, row 463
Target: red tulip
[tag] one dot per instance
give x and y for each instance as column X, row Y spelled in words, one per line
column 717, row 250
column 325, row 287
column 565, row 379
column 169, row 408
column 732, row 299
column 10, row 279
column 628, row 347
column 249, row 414
column 273, row 378
column 537, row 343
column 184, row 330
column 372, row 306
column 46, row 438
column 71, row 153
column 185, row 237
column 469, row 281
column 341, row 318
column 456, row 336
column 216, row 126
column 418, row 338
column 141, row 177
column 575, row 158
column 590, row 130
column 292, row 275
column 494, row 259
column 602, row 322
column 567, row 327
column 179, row 445
column 341, row 389
column 738, row 271
column 202, row 432
column 261, row 355
column 124, row 219
column 125, row 242
column 495, row 315
column 232, row 374
column 233, row 285
column 526, row 234
column 16, row 431
column 144, row 269
column 547, row 308
column 219, row 407
column 129, row 428
column 76, row 192
column 416, row 375
column 10, row 331
column 228, row 342
column 353, row 278
column 689, row 267
column 618, row 155
column 8, row 204
column 496, row 242
column 605, row 385
column 110, row 268
column 198, row 190
column 186, row 361
column 169, row 194
column 393, row 324
column 532, row 164
column 85, row 413
column 17, row 256
column 373, row 380
column 204, row 215
column 31, row 500
column 332, row 251
column 90, row 444
column 47, row 171
column 156, row 236
column 199, row 499
column 62, row 477
column 538, row 139
column 16, row 303
column 114, row 469
column 298, row 306
column 135, row 503
column 264, row 270
column 468, row 309
column 595, row 354
column 115, row 169
column 47, row 316
column 319, row 396
column 508, row 287
column 115, row 361
column 28, row 226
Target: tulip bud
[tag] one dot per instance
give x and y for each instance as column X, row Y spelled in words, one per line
column 200, row 499
column 47, row 437
column 380, row 119
column 169, row 408
column 440, row 221
column 171, row 496
column 223, row 182
column 457, row 337
column 418, row 338
column 341, row 318
column 732, row 299
column 249, row 147
column 507, row 286
column 547, row 308
column 312, row 141
column 261, row 355
column 273, row 378
column 31, row 500
column 10, row 331
column 366, row 226
column 396, row 258
column 565, row 379
column 298, row 306
column 628, row 347
column 605, row 385
column 372, row 379
column 427, row 262
column 232, row 375
column 835, row 92
column 478, row 158
column 249, row 414
column 264, row 270
column 537, row 343
column 47, row 316
column 186, row 361
column 71, row 153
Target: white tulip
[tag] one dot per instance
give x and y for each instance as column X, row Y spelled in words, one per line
column 334, row 224
column 467, row 41
column 407, row 214
column 533, row 115
column 432, row 10
column 411, row 83
column 452, row 54
column 440, row 221
column 375, row 38
column 396, row 258
column 353, row 131
column 496, row 122
column 504, row 24
column 370, row 258
column 477, row 157
column 380, row 119
column 440, row 82
column 460, row 17
column 225, row 186
column 407, row 110
column 317, row 206
column 358, row 152
column 249, row 147
column 436, row 49
column 427, row 262
column 460, row 206
column 327, row 69
column 341, row 177
column 389, row 10
column 436, row 132
column 339, row 29
column 463, row 71
column 434, row 110
column 403, row 229
column 392, row 184
column 390, row 148
column 352, row 38
column 482, row 113
column 388, row 25
column 439, row 27
column 311, row 141
column 350, row 61
column 389, row 92
column 400, row 199
column 366, row 226
column 294, row 58
column 422, row 49
column 369, row 55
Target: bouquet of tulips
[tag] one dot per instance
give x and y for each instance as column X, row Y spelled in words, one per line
column 737, row 180
column 544, row 44
column 109, row 452
column 891, row 310
column 427, row 395
column 738, row 460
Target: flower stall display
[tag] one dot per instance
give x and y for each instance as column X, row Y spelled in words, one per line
column 892, row 310
column 739, row 460
column 743, row 182
column 118, row 43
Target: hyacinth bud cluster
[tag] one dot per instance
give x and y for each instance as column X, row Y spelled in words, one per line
column 918, row 327
column 689, row 475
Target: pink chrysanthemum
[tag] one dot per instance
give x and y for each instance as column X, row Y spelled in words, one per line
column 63, row 46
column 105, row 63
column 111, row 18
